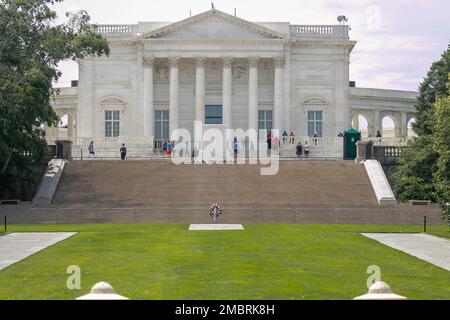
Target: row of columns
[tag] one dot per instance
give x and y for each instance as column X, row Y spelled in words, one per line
column 200, row 92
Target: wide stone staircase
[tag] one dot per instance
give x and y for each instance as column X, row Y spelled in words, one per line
column 151, row 184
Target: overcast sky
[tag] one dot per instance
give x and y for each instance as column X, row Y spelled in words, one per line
column 397, row 39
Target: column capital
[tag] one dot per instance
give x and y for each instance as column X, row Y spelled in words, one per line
column 173, row 61
column 200, row 61
column 148, row 61
column 278, row 62
column 227, row 61
column 253, row 62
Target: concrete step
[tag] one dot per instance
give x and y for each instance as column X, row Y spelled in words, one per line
column 302, row 184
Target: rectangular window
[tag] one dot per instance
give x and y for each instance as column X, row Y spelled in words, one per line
column 112, row 123
column 161, row 125
column 213, row 115
column 265, row 120
column 315, row 123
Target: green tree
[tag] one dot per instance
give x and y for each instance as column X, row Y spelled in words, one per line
column 441, row 177
column 417, row 165
column 433, row 85
column 31, row 46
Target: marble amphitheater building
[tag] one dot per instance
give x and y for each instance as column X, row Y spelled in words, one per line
column 228, row 73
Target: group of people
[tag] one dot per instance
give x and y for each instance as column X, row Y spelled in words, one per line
column 302, row 148
column 290, row 137
column 167, row 148
column 122, row 150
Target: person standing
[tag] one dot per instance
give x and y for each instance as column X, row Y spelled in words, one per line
column 91, row 149
column 235, row 148
column 123, row 152
column 306, row 147
column 169, row 149
column 299, row 150
column 269, row 140
column 284, row 136
column 292, row 138
column 315, row 136
column 378, row 135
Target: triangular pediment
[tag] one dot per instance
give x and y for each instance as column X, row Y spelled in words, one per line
column 213, row 25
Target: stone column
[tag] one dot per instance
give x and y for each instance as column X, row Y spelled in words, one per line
column 200, row 89
column 355, row 123
column 404, row 124
column 148, row 96
column 173, row 94
column 227, row 91
column 376, row 122
column 253, row 93
column 70, row 125
column 278, row 94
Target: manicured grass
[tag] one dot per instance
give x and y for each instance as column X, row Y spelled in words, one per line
column 441, row 232
column 266, row 261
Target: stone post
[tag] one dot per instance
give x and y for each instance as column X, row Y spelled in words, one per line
column 227, row 91
column 376, row 122
column 148, row 96
column 102, row 291
column 380, row 291
column 200, row 89
column 253, row 94
column 173, row 94
column 278, row 93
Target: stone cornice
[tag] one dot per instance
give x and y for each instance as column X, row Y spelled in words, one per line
column 215, row 41
column 291, row 42
column 174, row 27
column 294, row 43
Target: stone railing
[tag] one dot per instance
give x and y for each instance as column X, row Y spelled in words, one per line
column 319, row 31
column 113, row 141
column 387, row 155
column 319, row 141
column 402, row 141
column 120, row 29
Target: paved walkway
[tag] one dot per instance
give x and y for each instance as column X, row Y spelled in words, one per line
column 18, row 246
column 432, row 249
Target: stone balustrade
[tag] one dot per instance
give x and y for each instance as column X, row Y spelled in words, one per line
column 132, row 140
column 106, row 29
column 401, row 141
column 320, row 31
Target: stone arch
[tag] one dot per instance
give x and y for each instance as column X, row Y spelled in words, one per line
column 366, row 130
column 315, row 100
column 67, row 124
column 66, row 127
column 361, row 123
column 390, row 126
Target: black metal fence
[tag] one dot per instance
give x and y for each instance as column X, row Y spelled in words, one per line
column 379, row 215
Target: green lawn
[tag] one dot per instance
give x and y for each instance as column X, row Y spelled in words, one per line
column 266, row 261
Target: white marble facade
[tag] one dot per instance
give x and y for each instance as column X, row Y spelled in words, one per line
column 218, row 59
